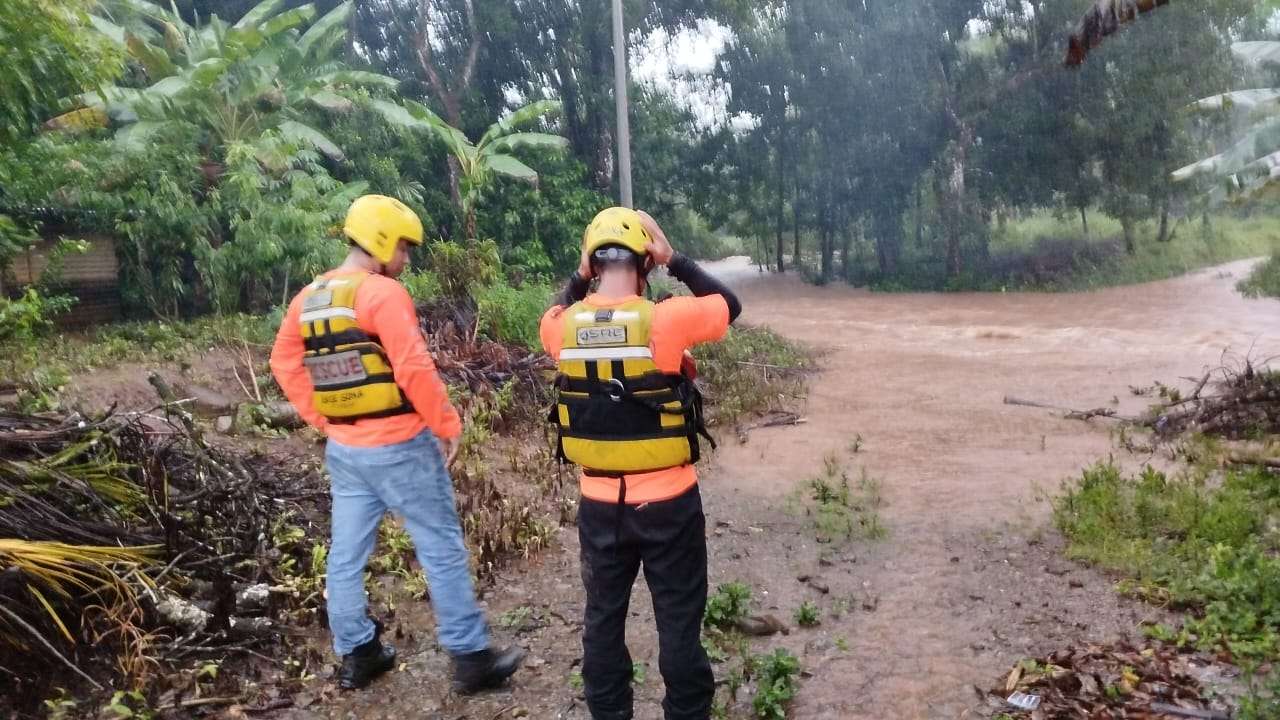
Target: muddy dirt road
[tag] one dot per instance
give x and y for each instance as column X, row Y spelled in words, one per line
column 969, row 578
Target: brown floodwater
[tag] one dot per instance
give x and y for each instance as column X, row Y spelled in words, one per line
column 922, row 379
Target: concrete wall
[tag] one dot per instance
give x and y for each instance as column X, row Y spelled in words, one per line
column 93, row 277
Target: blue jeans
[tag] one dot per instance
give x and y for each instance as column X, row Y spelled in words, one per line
column 409, row 479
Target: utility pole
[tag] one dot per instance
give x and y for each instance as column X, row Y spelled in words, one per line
column 620, row 98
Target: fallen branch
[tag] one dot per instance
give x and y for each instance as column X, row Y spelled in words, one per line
column 764, row 365
column 1195, row 394
column 199, row 702
column 777, row 420
column 1069, row 413
column 1239, row 458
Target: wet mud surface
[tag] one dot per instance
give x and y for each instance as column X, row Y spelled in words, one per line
column 970, row 576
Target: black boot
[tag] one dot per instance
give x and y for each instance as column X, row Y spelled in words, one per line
column 366, row 662
column 473, row 672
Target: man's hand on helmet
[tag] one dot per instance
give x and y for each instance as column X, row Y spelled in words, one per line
column 659, row 248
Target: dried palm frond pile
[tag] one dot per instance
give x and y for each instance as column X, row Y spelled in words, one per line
column 127, row 542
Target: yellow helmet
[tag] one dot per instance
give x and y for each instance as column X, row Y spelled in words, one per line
column 378, row 223
column 616, row 226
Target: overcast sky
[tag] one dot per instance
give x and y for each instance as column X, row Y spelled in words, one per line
column 681, row 64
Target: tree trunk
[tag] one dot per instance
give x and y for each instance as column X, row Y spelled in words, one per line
column 828, row 231
column 846, row 239
column 455, row 182
column 1164, row 222
column 954, row 203
column 780, row 198
column 828, row 253
column 859, row 249
column 919, row 215
column 1084, row 223
column 795, row 217
column 600, row 105
column 888, row 240
column 1130, row 244
column 470, row 226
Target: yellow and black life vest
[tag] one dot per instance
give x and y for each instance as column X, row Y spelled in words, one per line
column 350, row 371
column 616, row 412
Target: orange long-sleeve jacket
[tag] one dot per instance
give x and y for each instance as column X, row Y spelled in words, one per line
column 383, row 310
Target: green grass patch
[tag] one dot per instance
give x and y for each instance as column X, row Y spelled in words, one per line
column 41, row 364
column 1047, row 252
column 1044, row 253
column 1264, row 281
column 839, row 508
column 1204, row 545
column 752, row 371
column 154, row 341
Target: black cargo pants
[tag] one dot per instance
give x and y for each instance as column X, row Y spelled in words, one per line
column 669, row 539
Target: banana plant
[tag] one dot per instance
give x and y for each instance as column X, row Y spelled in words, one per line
column 232, row 81
column 480, row 163
column 1252, row 162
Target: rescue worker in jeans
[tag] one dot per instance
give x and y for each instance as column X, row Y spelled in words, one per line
column 631, row 419
column 351, row 357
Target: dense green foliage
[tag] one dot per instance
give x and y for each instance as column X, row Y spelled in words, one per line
column 891, row 145
column 903, row 147
column 1193, row 541
column 48, row 51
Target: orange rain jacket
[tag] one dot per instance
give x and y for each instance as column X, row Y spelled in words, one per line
column 384, row 311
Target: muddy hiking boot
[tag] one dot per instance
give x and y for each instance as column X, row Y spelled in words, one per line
column 484, row 670
column 366, row 662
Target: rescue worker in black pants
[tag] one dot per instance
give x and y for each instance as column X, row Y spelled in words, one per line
column 629, row 414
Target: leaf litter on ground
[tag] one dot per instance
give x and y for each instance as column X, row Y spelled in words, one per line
column 1119, row 681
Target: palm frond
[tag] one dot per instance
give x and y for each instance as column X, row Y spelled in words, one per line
column 507, row 143
column 519, row 118
column 511, row 167
column 259, row 14
column 326, row 31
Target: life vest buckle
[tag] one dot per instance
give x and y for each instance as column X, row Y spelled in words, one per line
column 616, row 390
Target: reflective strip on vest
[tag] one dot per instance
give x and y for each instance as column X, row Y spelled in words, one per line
column 622, row 353
column 327, row 313
column 617, row 316
column 350, row 372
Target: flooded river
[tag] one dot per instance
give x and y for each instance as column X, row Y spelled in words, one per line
column 922, row 378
